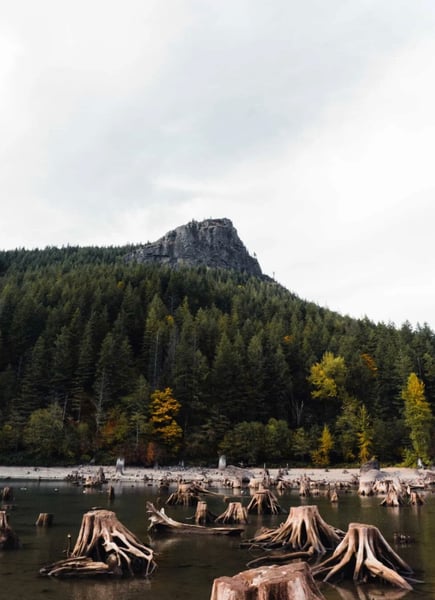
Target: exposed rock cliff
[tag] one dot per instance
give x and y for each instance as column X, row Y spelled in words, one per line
column 213, row 243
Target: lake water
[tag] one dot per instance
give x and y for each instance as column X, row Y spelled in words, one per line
column 187, row 565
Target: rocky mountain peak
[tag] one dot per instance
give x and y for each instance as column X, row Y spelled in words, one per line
column 213, row 243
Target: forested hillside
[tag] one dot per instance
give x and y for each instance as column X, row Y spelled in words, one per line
column 101, row 358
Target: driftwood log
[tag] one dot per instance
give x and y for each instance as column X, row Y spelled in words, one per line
column 235, row 513
column 303, row 530
column 264, row 502
column 365, row 555
column 104, row 546
column 8, row 538
column 159, row 521
column 292, row 581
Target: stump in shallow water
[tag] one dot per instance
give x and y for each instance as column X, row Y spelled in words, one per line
column 287, row 582
column 44, row 520
column 393, row 496
column 264, row 502
column 7, row 494
column 203, row 515
column 104, row 546
column 304, row 530
column 365, row 555
column 8, row 538
column 235, row 513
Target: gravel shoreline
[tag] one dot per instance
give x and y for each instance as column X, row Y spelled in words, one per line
column 212, row 476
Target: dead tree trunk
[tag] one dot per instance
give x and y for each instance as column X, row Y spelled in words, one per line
column 235, row 513
column 264, row 502
column 8, row 538
column 104, row 546
column 292, row 581
column 365, row 555
column 44, row 520
column 303, row 530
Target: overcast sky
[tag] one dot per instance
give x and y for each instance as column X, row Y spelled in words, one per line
column 311, row 125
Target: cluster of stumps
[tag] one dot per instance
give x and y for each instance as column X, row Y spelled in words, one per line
column 302, row 551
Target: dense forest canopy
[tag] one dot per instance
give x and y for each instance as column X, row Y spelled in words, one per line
column 100, row 358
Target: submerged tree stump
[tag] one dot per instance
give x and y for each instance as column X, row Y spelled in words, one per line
column 104, row 546
column 365, row 555
column 415, row 499
column 188, row 494
column 287, row 582
column 7, row 494
column 8, row 538
column 303, row 530
column 393, row 496
column 235, row 513
column 44, row 520
column 264, row 502
column 203, row 515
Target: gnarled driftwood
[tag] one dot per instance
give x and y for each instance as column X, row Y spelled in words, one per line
column 159, row 521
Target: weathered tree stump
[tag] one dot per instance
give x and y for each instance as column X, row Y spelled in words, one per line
column 305, row 486
column 303, row 530
column 264, row 502
column 187, row 494
column 104, row 546
column 366, row 488
column 393, row 496
column 235, row 513
column 159, row 521
column 415, row 499
column 44, row 520
column 8, row 538
column 202, row 514
column 7, row 494
column 287, row 582
column 365, row 555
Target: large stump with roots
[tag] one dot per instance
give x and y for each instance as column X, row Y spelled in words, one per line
column 291, row 581
column 303, row 530
column 365, row 556
column 104, row 546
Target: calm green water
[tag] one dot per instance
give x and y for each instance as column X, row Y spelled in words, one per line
column 187, row 565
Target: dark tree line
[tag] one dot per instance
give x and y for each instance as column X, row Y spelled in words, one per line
column 86, row 339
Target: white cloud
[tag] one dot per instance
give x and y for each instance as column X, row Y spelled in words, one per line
column 310, row 125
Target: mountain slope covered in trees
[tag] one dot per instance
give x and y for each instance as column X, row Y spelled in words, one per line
column 100, row 357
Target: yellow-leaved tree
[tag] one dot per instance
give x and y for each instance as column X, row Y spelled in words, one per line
column 165, row 429
column 419, row 420
column 320, row 456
